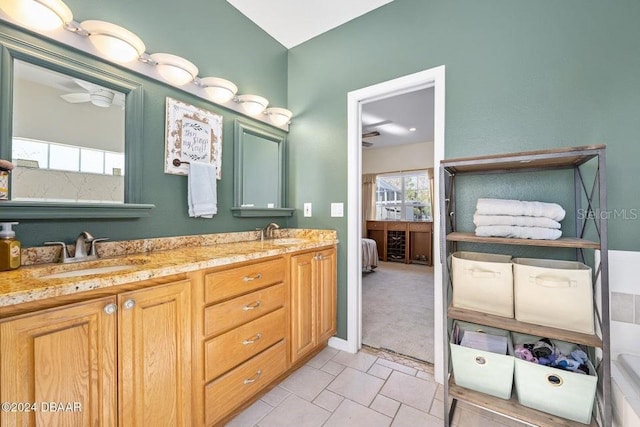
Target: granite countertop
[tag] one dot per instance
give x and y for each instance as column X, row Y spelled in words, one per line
column 148, row 259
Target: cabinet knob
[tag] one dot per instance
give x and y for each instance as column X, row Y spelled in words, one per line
column 254, row 378
column 129, row 304
column 319, row 257
column 110, row 308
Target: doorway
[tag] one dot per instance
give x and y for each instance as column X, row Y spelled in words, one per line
column 397, row 172
column 435, row 78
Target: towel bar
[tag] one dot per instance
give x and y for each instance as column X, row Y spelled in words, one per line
column 178, row 162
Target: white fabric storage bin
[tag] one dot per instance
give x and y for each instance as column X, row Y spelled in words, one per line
column 554, row 293
column 479, row 370
column 555, row 391
column 483, row 282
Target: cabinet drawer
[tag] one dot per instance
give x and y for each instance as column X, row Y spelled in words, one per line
column 396, row 226
column 419, row 226
column 229, row 391
column 234, row 347
column 375, row 225
column 237, row 281
column 229, row 314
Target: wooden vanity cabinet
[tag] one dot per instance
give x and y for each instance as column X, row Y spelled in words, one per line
column 118, row 360
column 154, row 356
column 65, row 354
column 313, row 300
column 243, row 311
column 186, row 350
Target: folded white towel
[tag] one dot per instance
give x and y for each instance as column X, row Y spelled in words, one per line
column 202, row 192
column 522, row 221
column 517, row 208
column 518, row 232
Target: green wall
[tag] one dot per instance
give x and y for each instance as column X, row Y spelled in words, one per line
column 520, row 75
column 221, row 42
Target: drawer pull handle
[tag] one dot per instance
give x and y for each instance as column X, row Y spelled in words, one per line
column 252, row 306
column 254, row 378
column 253, row 339
column 250, row 278
column 555, row 380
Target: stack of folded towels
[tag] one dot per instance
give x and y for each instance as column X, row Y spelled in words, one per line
column 519, row 219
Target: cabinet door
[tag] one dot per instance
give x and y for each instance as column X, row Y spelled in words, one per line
column 303, row 306
column 325, row 275
column 155, row 356
column 64, row 355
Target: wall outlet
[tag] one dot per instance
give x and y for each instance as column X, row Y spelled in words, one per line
column 307, row 209
column 337, row 209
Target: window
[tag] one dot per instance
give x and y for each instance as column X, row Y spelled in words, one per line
column 404, row 196
column 49, row 155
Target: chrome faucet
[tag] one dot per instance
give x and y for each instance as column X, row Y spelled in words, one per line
column 81, row 245
column 81, row 248
column 268, row 230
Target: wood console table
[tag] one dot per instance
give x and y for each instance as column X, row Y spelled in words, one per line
column 403, row 241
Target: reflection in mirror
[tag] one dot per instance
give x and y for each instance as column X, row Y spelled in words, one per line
column 259, row 175
column 261, row 181
column 68, row 140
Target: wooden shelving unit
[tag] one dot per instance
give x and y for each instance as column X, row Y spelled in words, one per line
column 511, row 408
column 539, row 161
column 563, row 242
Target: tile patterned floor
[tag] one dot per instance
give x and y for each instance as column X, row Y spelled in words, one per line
column 369, row 389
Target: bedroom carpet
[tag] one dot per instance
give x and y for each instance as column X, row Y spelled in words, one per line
column 397, row 309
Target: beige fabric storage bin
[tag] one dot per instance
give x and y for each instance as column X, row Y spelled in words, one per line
column 554, row 293
column 483, row 282
column 480, row 370
column 555, row 391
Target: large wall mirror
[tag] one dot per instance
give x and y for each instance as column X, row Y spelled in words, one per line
column 259, row 171
column 73, row 132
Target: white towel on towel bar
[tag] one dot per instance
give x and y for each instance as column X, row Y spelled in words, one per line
column 518, row 232
column 522, row 221
column 202, row 191
column 517, row 208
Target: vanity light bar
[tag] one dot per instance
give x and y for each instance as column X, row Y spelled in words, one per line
column 120, row 45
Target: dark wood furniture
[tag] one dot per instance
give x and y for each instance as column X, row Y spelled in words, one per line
column 403, row 241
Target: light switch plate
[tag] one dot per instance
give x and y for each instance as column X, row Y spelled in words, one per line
column 307, row 209
column 337, row 209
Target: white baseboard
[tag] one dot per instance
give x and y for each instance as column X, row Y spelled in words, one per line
column 340, row 344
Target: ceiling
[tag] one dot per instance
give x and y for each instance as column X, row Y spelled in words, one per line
column 394, row 116
column 292, row 22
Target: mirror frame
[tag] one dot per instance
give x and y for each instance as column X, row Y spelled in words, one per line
column 35, row 51
column 240, row 129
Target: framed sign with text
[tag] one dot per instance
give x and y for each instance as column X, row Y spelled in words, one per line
column 191, row 135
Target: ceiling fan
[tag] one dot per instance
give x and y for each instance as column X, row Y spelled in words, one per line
column 370, row 134
column 96, row 94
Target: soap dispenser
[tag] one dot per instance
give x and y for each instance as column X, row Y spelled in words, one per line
column 9, row 247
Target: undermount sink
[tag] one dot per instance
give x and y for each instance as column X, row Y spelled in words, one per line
column 87, row 271
column 86, row 268
column 287, row 241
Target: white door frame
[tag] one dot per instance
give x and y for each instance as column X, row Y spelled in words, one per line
column 433, row 77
